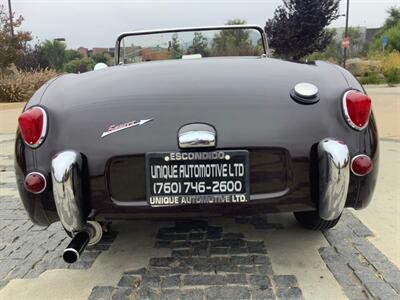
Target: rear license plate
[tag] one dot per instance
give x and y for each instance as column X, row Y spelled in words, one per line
column 182, row 178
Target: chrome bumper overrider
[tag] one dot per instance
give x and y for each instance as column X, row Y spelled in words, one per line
column 334, row 177
column 66, row 170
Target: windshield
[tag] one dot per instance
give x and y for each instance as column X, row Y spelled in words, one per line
column 187, row 44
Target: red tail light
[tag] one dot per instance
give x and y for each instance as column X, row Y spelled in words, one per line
column 33, row 125
column 35, row 182
column 361, row 165
column 357, row 109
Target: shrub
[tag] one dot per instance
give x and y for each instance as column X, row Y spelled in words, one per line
column 360, row 67
column 79, row 65
column 391, row 67
column 372, row 78
column 392, row 76
column 19, row 86
column 391, row 61
column 99, row 58
column 376, row 55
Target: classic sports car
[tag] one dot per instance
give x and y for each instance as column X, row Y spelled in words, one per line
column 195, row 122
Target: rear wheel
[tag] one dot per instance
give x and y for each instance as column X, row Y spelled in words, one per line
column 311, row 220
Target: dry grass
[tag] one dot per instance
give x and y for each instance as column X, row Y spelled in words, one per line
column 391, row 68
column 391, row 61
column 19, row 86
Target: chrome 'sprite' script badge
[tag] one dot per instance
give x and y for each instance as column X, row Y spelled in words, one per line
column 179, row 178
column 115, row 128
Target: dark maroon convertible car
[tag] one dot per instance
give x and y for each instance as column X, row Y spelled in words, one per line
column 195, row 122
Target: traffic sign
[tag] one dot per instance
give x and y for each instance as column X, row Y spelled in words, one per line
column 346, row 42
column 385, row 40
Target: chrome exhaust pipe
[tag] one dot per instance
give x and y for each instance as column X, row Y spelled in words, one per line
column 76, row 247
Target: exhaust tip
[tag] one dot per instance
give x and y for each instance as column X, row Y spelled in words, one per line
column 70, row 255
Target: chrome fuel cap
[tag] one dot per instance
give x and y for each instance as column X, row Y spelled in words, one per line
column 306, row 90
column 306, row 93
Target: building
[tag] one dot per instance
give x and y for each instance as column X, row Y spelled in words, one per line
column 154, row 53
column 86, row 53
column 83, row 51
column 99, row 51
column 371, row 33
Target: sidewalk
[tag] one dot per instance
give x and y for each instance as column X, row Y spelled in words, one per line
column 9, row 113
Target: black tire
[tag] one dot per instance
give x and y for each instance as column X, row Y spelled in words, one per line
column 311, row 220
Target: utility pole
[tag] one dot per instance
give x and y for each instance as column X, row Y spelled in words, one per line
column 11, row 18
column 346, row 34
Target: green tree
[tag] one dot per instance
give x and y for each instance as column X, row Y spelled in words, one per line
column 79, row 65
column 11, row 47
column 72, row 54
column 174, row 47
column 54, row 51
column 99, row 58
column 32, row 58
column 232, row 42
column 393, row 19
column 298, row 27
column 199, row 45
column 391, row 30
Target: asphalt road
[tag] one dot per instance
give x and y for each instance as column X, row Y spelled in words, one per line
column 262, row 257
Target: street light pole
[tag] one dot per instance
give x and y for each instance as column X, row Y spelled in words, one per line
column 11, row 18
column 346, row 34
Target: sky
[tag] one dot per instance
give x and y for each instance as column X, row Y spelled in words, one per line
column 96, row 23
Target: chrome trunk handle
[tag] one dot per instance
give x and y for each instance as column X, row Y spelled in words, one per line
column 197, row 135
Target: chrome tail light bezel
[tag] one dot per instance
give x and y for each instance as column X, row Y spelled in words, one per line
column 43, row 133
column 354, row 159
column 41, row 176
column 346, row 114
